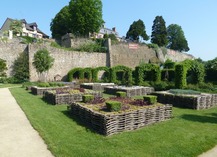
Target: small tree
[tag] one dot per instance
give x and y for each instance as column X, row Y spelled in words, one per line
column 3, row 67
column 42, row 62
column 21, row 68
column 16, row 27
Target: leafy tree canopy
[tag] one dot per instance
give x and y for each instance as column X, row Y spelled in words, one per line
column 3, row 67
column 211, row 64
column 159, row 32
column 86, row 16
column 176, row 38
column 16, row 27
column 60, row 24
column 137, row 30
column 42, row 61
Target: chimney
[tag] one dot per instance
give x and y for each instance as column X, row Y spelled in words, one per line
column 114, row 29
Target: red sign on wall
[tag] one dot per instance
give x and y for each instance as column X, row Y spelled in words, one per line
column 133, row 46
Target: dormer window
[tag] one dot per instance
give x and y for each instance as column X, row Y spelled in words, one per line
column 34, row 27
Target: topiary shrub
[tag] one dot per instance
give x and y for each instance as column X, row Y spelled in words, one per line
column 87, row 98
column 151, row 99
column 180, row 76
column 121, row 94
column 86, row 74
column 147, row 72
column 113, row 106
column 75, row 74
column 106, row 74
column 169, row 64
column 43, row 84
column 121, row 75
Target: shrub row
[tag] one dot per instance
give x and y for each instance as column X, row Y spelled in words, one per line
column 186, row 72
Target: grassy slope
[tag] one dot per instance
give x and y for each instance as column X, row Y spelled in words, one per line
column 188, row 134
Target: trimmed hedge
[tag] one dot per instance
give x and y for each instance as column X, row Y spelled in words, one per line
column 86, row 73
column 121, row 94
column 113, row 106
column 168, row 74
column 147, row 72
column 96, row 71
column 121, row 75
column 87, row 98
column 151, row 99
column 74, row 74
column 180, row 76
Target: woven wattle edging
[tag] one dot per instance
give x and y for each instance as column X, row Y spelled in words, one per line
column 130, row 91
column 116, row 123
column 40, row 90
column 203, row 101
column 57, row 99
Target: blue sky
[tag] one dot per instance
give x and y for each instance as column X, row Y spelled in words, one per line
column 196, row 17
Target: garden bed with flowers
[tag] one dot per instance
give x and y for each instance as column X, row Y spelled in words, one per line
column 114, row 115
column 67, row 95
column 187, row 99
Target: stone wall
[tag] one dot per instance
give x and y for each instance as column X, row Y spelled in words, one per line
column 65, row 61
column 9, row 51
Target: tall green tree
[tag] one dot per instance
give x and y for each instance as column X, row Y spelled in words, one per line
column 42, row 62
column 86, row 16
column 176, row 38
column 159, row 32
column 137, row 30
column 21, row 67
column 16, row 27
column 60, row 25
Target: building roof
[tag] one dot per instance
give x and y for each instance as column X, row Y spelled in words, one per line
column 29, row 26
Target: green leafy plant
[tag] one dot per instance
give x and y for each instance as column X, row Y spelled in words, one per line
column 151, row 99
column 42, row 61
column 87, row 98
column 106, row 74
column 121, row 94
column 113, row 106
column 3, row 67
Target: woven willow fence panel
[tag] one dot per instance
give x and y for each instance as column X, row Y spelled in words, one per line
column 116, row 123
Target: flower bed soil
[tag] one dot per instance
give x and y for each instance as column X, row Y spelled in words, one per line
column 113, row 123
column 198, row 102
column 131, row 91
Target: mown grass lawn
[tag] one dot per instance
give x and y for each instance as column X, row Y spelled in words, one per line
column 187, row 134
column 2, row 85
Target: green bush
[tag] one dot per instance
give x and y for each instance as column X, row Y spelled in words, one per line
column 121, row 94
column 86, row 73
column 151, row 99
column 113, row 106
column 169, row 64
column 147, row 72
column 43, row 84
column 3, row 67
column 180, row 76
column 87, row 98
column 162, row 85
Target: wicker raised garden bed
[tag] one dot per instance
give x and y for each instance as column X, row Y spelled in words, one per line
column 66, row 97
column 96, row 86
column 197, row 101
column 113, row 123
column 40, row 90
column 130, row 91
